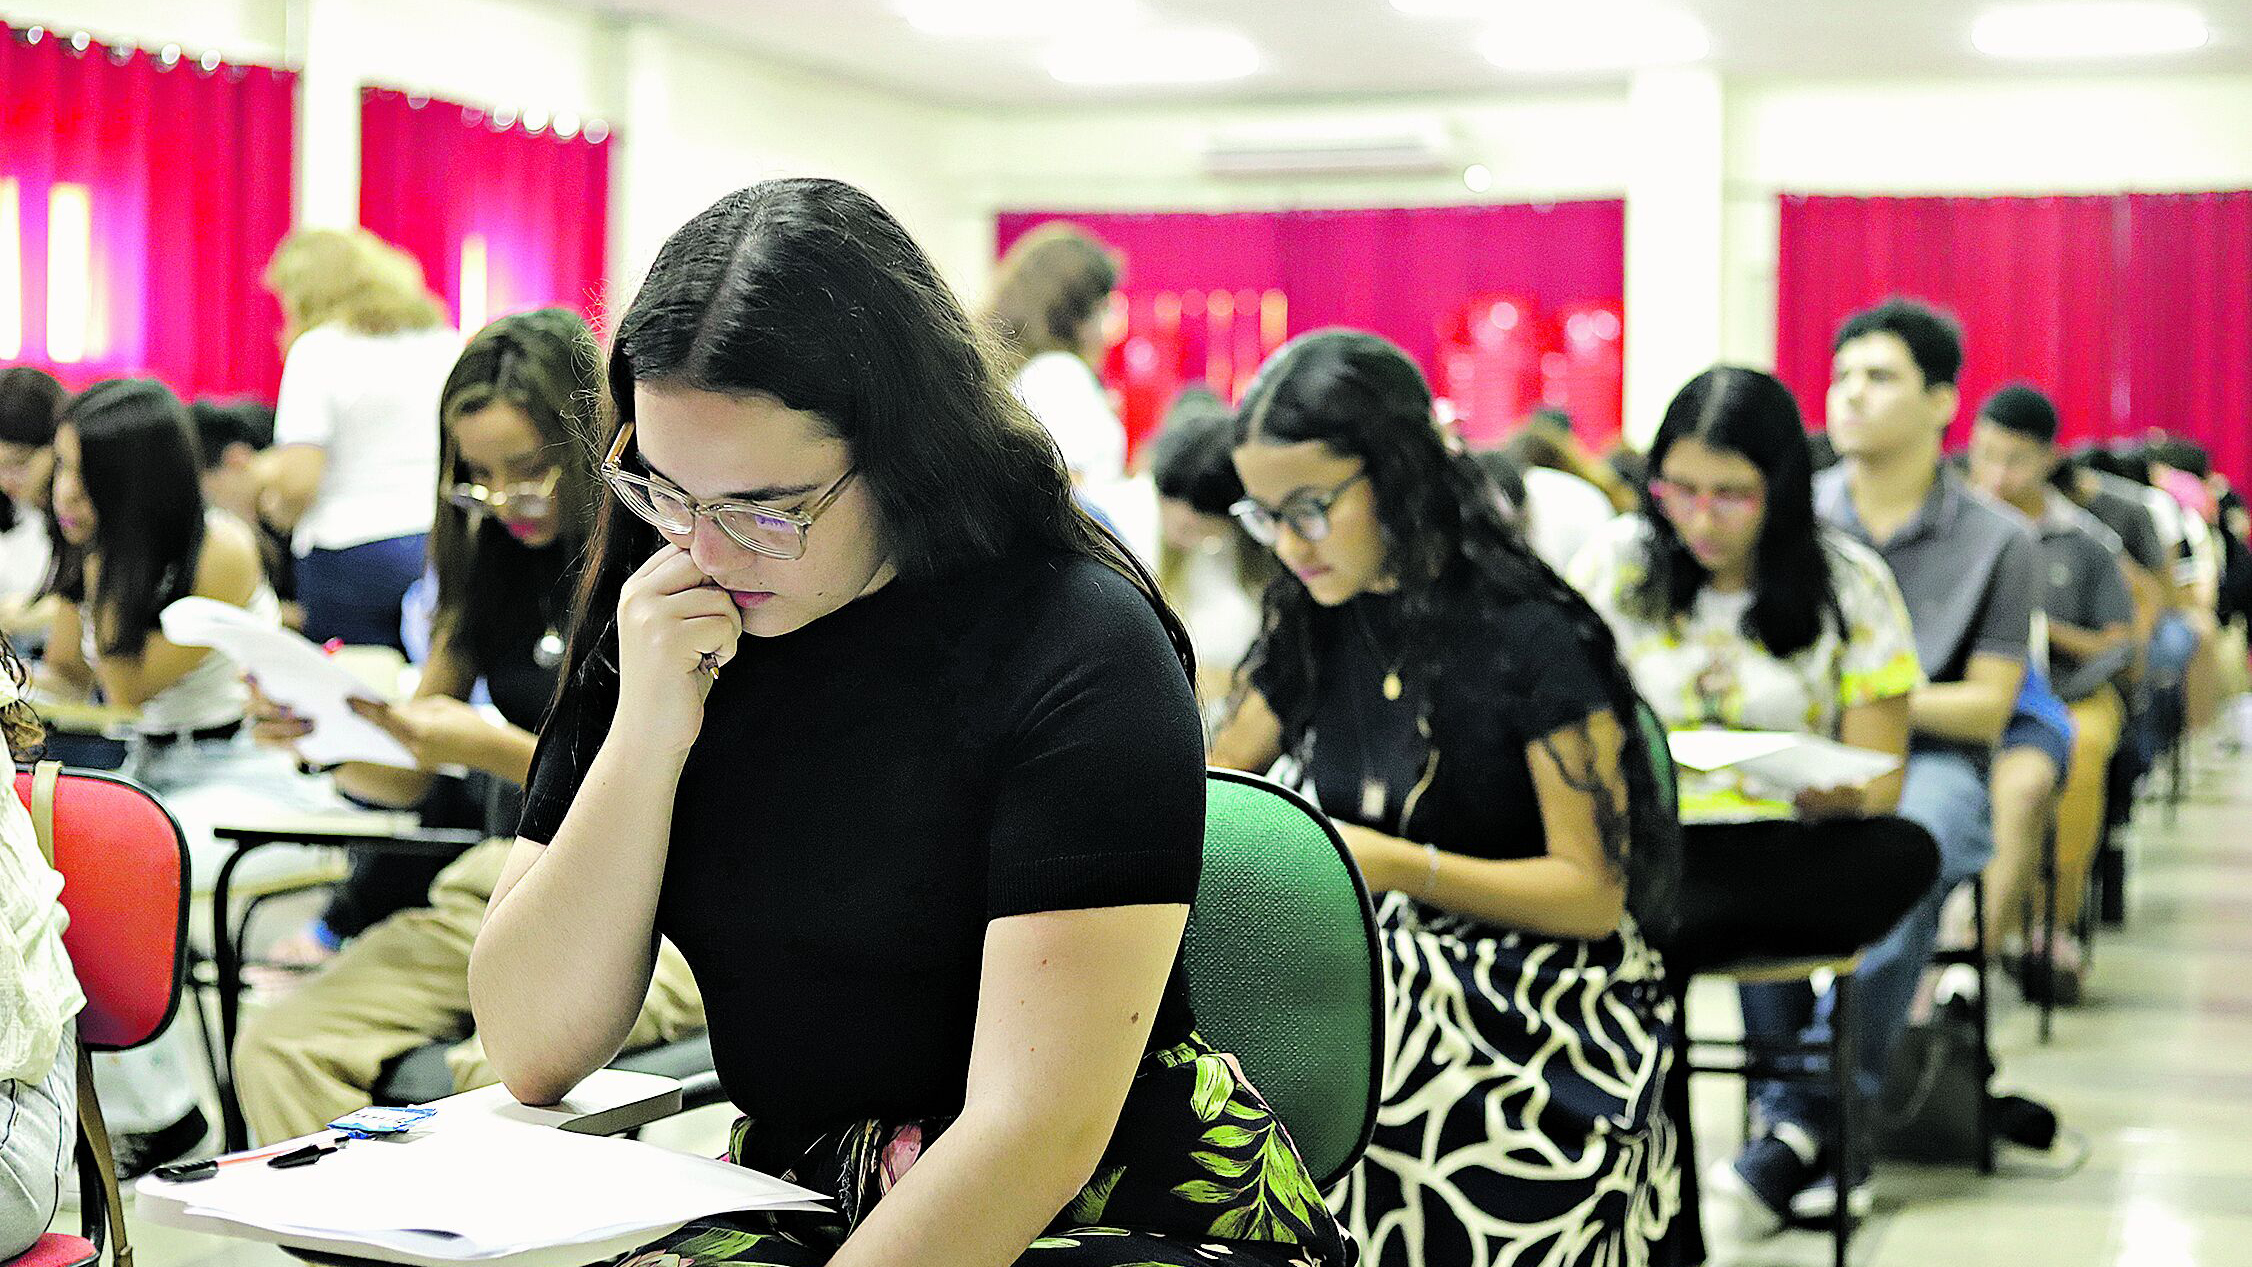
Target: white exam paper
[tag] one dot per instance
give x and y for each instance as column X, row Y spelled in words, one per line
column 1788, row 763
column 295, row 674
column 495, row 1189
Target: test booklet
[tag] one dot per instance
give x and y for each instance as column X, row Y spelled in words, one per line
column 1787, row 762
column 294, row 673
column 486, row 1189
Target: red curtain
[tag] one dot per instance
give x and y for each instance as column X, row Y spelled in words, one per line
column 1209, row 295
column 2131, row 311
column 2185, row 361
column 185, row 170
column 434, row 175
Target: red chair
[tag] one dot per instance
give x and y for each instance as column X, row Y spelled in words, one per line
column 125, row 884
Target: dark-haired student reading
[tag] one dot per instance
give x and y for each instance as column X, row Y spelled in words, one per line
column 871, row 719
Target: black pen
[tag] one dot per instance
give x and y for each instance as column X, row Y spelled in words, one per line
column 191, row 1171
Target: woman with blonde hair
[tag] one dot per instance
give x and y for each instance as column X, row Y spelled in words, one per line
column 1049, row 322
column 366, row 349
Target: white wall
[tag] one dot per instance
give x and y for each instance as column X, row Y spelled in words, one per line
column 2029, row 135
column 697, row 116
column 704, row 119
column 1146, row 157
column 245, row 30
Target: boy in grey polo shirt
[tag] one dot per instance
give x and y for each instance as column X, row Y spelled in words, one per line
column 2091, row 618
column 1967, row 569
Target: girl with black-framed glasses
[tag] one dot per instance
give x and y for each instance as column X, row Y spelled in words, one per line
column 1462, row 717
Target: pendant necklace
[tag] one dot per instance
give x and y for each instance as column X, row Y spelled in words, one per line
column 1392, row 686
column 1376, row 794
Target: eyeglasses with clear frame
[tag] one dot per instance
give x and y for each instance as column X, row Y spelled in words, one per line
column 529, row 498
column 1679, row 502
column 1306, row 513
column 767, row 530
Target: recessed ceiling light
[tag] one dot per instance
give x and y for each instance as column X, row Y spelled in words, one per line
column 1158, row 56
column 1477, row 178
column 1003, row 19
column 1607, row 36
column 2088, row 30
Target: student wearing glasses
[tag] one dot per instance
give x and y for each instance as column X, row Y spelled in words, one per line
column 1738, row 611
column 863, row 711
column 1462, row 717
column 513, row 508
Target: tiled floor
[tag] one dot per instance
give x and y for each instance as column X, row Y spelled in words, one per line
column 2151, row 1077
column 2153, row 1074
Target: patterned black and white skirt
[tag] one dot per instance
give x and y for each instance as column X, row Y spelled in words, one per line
column 1521, row 1124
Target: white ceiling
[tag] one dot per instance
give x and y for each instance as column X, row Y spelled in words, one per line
column 1365, row 48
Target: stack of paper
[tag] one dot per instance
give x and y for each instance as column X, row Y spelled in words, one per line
column 1788, row 763
column 293, row 673
column 499, row 1190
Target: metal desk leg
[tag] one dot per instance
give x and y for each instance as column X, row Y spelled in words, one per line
column 1846, row 1087
column 226, row 974
column 2048, row 992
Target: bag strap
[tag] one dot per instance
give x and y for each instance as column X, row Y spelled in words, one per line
column 96, row 1132
column 44, row 776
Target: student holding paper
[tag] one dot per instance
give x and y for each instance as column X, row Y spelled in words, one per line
column 1462, row 716
column 1738, row 612
column 515, row 500
column 129, row 506
column 900, row 748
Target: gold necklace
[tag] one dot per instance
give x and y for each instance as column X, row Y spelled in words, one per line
column 1392, row 686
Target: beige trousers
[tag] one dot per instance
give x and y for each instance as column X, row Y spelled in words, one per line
column 315, row 1054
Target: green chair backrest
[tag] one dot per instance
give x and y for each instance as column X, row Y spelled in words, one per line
column 1285, row 969
column 1661, row 755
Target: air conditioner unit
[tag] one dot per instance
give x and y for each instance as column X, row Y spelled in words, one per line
column 1393, row 146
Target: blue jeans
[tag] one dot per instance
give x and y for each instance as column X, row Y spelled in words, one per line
column 354, row 594
column 1945, row 794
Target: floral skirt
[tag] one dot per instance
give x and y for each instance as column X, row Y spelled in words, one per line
column 1521, row 1123
column 1199, row 1171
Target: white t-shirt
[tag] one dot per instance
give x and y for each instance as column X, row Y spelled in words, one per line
column 1562, row 513
column 38, row 991
column 1703, row 671
column 1067, row 398
column 370, row 402
column 24, row 555
column 1221, row 616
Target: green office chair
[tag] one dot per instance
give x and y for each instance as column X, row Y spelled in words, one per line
column 1661, row 756
column 1284, row 967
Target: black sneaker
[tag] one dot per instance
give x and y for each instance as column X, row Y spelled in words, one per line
column 1765, row 1176
column 138, row 1154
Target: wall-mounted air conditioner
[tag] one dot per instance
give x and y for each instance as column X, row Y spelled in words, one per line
column 1388, row 146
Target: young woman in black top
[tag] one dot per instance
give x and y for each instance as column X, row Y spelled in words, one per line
column 868, row 717
column 1463, row 717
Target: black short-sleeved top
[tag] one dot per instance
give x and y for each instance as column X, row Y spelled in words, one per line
column 1512, row 672
column 870, row 790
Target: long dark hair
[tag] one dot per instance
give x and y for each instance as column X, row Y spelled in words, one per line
column 493, row 590
column 30, row 400
column 809, row 292
column 138, row 461
column 1750, row 414
column 1190, row 463
column 1445, row 540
